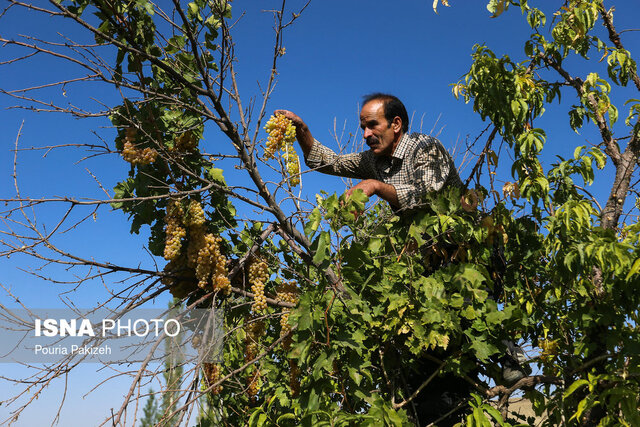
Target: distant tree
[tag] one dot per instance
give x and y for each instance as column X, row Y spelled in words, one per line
column 150, row 412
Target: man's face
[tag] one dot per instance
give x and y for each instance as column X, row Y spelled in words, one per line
column 380, row 135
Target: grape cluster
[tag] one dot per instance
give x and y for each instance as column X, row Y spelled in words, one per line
column 294, row 378
column 210, row 264
column 548, row 355
column 173, row 230
column 292, row 163
column 196, row 341
column 133, row 155
column 195, row 214
column 254, row 329
column 203, row 261
column 253, row 384
column 258, row 276
column 287, row 292
column 281, row 131
column 185, row 284
column 186, row 142
column 211, row 376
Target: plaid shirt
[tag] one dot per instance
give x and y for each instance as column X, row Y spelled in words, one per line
column 419, row 165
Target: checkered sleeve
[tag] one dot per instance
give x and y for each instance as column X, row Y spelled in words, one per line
column 325, row 160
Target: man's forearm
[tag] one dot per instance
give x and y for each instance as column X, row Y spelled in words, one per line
column 303, row 135
column 388, row 193
column 373, row 186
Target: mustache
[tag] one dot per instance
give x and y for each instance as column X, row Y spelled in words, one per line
column 372, row 140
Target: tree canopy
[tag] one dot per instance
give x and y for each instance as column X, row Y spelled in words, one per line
column 339, row 311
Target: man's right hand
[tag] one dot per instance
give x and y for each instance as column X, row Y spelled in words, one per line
column 303, row 134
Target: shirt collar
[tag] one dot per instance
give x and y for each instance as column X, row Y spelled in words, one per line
column 401, row 150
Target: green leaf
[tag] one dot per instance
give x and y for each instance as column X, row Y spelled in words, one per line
column 634, row 269
column 575, row 386
column 284, row 417
column 257, row 418
column 321, row 247
column 313, row 222
column 215, row 174
column 494, row 413
column 483, row 349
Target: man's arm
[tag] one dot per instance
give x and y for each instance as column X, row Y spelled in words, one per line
column 325, row 160
column 379, row 188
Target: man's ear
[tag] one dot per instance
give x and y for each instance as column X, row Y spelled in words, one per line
column 397, row 124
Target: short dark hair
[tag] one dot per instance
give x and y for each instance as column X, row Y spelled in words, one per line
column 393, row 108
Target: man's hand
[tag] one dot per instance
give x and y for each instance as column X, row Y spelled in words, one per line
column 368, row 186
column 379, row 188
column 303, row 134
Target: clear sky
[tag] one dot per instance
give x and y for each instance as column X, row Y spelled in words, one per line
column 336, row 52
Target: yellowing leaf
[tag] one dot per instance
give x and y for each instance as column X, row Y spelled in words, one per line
column 435, row 4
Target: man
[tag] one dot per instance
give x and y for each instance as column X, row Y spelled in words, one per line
column 398, row 167
column 401, row 169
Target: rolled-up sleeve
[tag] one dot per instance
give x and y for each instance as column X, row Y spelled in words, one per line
column 325, row 160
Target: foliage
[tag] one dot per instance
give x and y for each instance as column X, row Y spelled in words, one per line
column 378, row 295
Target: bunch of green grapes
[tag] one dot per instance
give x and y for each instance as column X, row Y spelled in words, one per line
column 211, row 373
column 548, row 355
column 182, row 287
column 254, row 329
column 173, row 230
column 195, row 214
column 258, row 276
column 281, row 131
column 253, row 384
column 287, row 292
column 294, row 378
column 138, row 157
column 133, row 155
column 185, row 142
column 211, row 265
column 196, row 242
column 292, row 163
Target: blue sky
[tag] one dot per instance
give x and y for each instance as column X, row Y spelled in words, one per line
column 336, row 52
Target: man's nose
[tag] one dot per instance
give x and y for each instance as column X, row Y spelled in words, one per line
column 367, row 133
